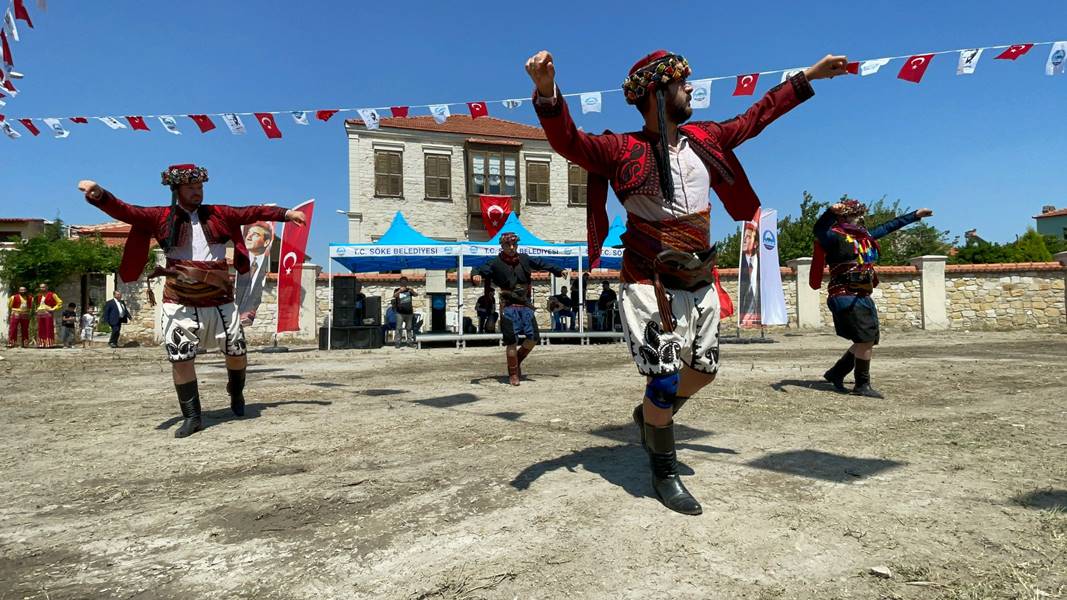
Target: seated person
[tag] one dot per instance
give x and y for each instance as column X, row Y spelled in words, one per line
column 486, row 309
column 605, row 307
column 562, row 307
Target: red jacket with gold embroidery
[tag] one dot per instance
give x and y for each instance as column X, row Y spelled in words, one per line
column 221, row 224
column 625, row 160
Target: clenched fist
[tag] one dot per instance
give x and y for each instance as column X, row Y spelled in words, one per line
column 829, row 66
column 90, row 188
column 543, row 73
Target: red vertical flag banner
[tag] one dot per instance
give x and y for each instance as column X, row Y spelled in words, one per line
column 290, row 270
column 495, row 211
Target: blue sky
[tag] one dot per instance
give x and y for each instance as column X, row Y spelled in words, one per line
column 984, row 151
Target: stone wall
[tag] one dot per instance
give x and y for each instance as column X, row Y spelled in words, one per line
column 1004, row 299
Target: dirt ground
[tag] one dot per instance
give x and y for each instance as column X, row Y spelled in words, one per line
column 421, row 475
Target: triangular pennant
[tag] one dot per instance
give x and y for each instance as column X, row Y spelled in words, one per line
column 170, row 124
column 57, row 127
column 237, row 127
column 204, row 122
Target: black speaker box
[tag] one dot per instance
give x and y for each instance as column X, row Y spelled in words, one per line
column 344, row 316
column 345, row 338
column 372, row 311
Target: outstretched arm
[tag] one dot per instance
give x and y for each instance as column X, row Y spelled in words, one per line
column 138, row 216
column 594, row 153
column 777, row 101
column 245, row 215
column 902, row 221
column 539, row 265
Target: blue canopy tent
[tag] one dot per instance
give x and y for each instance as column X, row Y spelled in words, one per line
column 400, row 247
column 564, row 256
column 611, row 253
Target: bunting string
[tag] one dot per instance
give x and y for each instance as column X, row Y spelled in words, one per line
column 913, row 70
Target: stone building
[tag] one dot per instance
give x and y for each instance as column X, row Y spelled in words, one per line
column 435, row 172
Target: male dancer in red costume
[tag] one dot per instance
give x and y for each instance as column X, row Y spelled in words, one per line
column 662, row 174
column 198, row 300
column 18, row 315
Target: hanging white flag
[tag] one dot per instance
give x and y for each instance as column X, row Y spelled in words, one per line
column 300, row 116
column 786, row 74
column 870, row 67
column 111, row 122
column 1056, row 56
column 169, row 124
column 701, row 93
column 57, row 127
column 440, row 112
column 237, row 127
column 591, row 102
column 9, row 130
column 9, row 20
column 968, row 61
column 512, row 103
column 370, row 117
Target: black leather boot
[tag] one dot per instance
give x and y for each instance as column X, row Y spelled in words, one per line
column 189, row 401
column 664, row 462
column 863, row 380
column 639, row 415
column 836, row 374
column 236, row 388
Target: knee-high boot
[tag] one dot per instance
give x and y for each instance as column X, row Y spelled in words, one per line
column 236, row 388
column 513, row 369
column 189, row 401
column 663, row 461
column 843, row 366
column 863, row 380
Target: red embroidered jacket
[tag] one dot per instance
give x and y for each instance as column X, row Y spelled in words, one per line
column 625, row 160
column 221, row 224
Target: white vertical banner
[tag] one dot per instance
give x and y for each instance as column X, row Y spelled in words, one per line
column 772, row 296
column 237, row 127
column 701, row 93
column 968, row 61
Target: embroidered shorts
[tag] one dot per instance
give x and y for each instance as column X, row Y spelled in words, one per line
column 188, row 329
column 694, row 341
column 855, row 318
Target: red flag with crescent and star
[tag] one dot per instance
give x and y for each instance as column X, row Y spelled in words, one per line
column 478, row 109
column 28, row 124
column 915, row 67
column 1014, row 52
column 746, row 84
column 204, row 122
column 495, row 211
column 270, row 127
column 291, row 270
column 137, row 123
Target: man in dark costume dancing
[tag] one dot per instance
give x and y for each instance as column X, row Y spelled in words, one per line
column 511, row 271
column 843, row 242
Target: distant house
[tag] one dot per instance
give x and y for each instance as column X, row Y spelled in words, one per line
column 436, row 172
column 15, row 229
column 112, row 234
column 1052, row 221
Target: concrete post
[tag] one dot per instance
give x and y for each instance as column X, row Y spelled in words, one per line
column 932, row 290
column 807, row 299
column 1061, row 257
column 309, row 319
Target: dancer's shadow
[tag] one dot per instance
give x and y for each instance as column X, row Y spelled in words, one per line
column 625, row 466
column 252, row 411
column 1048, row 498
column 823, row 465
column 504, row 379
column 812, row 384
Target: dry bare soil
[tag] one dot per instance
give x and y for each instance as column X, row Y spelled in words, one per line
column 421, row 475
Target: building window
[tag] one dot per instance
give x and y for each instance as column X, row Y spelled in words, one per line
column 577, row 180
column 537, row 182
column 388, row 174
column 438, row 177
column 493, row 172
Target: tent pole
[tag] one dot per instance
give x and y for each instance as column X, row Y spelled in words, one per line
column 329, row 325
column 581, row 297
column 459, row 299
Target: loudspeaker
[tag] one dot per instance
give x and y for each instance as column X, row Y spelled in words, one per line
column 372, row 311
column 344, row 338
column 345, row 317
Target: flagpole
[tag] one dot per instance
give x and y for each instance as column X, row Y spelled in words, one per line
column 581, row 297
column 329, row 324
column 459, row 300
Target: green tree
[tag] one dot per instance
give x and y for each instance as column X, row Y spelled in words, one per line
column 1031, row 247
column 50, row 258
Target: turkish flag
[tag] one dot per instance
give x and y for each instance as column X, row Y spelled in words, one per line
column 495, row 211
column 270, row 127
column 28, row 124
column 478, row 109
column 1014, row 51
column 853, row 68
column 137, row 123
column 324, row 115
column 82, row 120
column 204, row 122
column 746, row 84
column 6, row 49
column 10, row 87
column 399, row 112
column 915, row 67
column 290, row 270
column 20, row 13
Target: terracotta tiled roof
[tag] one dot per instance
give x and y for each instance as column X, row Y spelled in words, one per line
column 484, row 126
column 1056, row 213
column 17, row 220
column 1005, row 267
column 115, row 227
